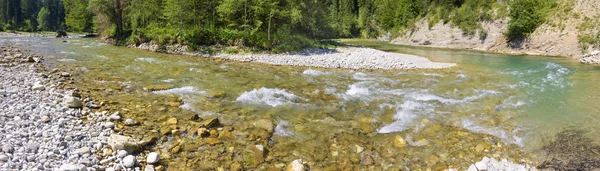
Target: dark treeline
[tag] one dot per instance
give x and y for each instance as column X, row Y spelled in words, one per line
column 278, row 25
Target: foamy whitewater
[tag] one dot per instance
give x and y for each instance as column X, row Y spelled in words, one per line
column 312, row 72
column 188, row 94
column 268, row 96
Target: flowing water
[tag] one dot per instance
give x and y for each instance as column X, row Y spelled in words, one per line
column 519, row 100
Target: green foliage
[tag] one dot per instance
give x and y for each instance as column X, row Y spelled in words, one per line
column 43, row 19
column 286, row 41
column 589, row 32
column 78, row 17
column 526, row 16
column 586, row 40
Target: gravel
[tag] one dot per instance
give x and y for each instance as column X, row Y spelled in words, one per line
column 39, row 132
column 345, row 57
column 44, row 129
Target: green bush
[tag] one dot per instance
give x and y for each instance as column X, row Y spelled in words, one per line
column 586, row 40
column 526, row 16
column 286, row 41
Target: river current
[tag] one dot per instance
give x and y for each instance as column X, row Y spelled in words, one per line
column 521, row 100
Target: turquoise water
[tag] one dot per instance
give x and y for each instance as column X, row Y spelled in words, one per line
column 553, row 92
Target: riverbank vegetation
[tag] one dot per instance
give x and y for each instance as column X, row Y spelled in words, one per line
column 273, row 25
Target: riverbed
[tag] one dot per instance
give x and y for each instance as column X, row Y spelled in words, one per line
column 489, row 105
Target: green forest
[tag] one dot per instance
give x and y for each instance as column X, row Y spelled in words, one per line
column 272, row 25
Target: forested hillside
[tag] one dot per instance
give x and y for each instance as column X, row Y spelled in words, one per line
column 277, row 25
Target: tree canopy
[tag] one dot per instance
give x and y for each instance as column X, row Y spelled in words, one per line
column 263, row 24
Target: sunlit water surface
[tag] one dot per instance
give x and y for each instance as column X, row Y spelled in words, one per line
column 520, row 99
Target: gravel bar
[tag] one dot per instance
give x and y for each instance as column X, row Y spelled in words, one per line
column 344, row 57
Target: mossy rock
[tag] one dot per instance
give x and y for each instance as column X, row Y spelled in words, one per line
column 158, row 87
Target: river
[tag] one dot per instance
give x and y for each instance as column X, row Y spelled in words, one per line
column 489, row 105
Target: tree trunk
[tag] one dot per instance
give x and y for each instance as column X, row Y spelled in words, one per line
column 119, row 18
column 269, row 29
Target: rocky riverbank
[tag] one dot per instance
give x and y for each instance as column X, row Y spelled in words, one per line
column 47, row 127
column 17, row 34
column 342, row 57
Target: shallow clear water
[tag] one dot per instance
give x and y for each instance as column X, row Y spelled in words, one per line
column 518, row 99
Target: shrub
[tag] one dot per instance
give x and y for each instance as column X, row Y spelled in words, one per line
column 286, row 41
column 526, row 16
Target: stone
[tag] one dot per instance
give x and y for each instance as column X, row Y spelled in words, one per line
column 38, row 87
column 75, row 93
column 359, row 148
column 176, row 149
column 115, row 117
column 367, row 159
column 255, row 155
column 121, row 153
column 130, row 122
column 399, row 141
column 481, row 166
column 73, row 102
column 213, row 133
column 212, row 141
column 235, row 166
column 45, row 119
column 69, row 167
column 172, row 121
column 65, row 74
column 203, row 132
column 472, row 168
column 165, row 130
column 84, row 150
column 129, row 161
column 265, row 124
column 211, row 123
column 109, row 124
column 120, row 142
column 152, row 158
column 7, row 148
column 149, row 168
column 421, row 142
column 107, row 152
column 148, row 140
column 296, row 165
column 160, row 168
column 3, row 158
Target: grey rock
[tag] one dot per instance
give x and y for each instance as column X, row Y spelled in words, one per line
column 115, row 117
column 120, row 142
column 149, row 168
column 152, row 158
column 129, row 161
column 45, row 119
column 84, row 150
column 73, row 102
column 7, row 148
column 121, row 153
column 109, row 124
column 65, row 74
column 69, row 167
column 38, row 87
column 130, row 122
column 3, row 158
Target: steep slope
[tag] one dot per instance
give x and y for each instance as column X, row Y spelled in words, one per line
column 559, row 36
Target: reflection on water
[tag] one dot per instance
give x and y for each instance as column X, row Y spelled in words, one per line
column 514, row 98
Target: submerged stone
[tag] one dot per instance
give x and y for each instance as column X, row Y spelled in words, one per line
column 399, row 141
column 212, row 122
column 265, row 124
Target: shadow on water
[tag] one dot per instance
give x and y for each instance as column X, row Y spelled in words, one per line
column 571, row 149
